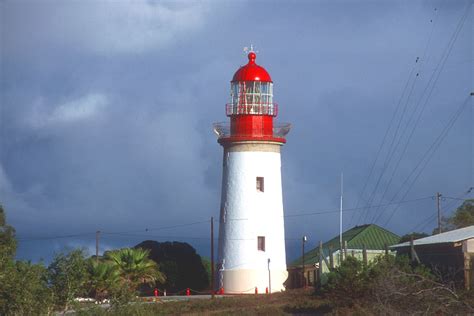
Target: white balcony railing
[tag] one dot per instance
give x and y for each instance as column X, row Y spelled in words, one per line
column 280, row 130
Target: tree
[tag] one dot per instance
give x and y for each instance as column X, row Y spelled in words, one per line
column 206, row 263
column 24, row 290
column 67, row 276
column 7, row 240
column 413, row 235
column 135, row 267
column 103, row 278
column 23, row 286
column 464, row 215
column 180, row 263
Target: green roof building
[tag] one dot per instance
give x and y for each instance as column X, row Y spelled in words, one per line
column 373, row 238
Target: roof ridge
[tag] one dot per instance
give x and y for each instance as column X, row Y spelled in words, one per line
column 374, row 226
column 386, row 230
column 360, row 232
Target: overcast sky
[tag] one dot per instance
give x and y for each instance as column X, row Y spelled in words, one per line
column 107, row 111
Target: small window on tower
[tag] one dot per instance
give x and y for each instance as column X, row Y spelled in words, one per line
column 261, row 243
column 260, row 184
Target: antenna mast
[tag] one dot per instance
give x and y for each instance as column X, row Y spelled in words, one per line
column 340, row 213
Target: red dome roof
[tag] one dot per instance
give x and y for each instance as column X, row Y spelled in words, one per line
column 252, row 71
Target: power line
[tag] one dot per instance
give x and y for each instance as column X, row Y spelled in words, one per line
column 104, row 232
column 430, row 88
column 424, row 222
column 453, row 198
column 401, row 117
column 428, row 155
column 159, row 228
column 432, row 82
column 430, row 218
column 137, row 232
column 55, row 237
column 383, row 140
column 391, row 149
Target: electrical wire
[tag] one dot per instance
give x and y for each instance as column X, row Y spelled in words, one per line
column 426, row 96
column 429, row 219
column 399, row 103
column 23, row 239
column 394, row 115
column 159, row 228
column 53, row 237
column 137, row 232
column 428, row 155
column 391, row 150
column 432, row 82
column 430, row 88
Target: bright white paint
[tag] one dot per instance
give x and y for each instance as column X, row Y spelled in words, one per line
column 247, row 214
column 468, row 245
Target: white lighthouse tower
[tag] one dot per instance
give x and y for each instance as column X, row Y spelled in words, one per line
column 251, row 251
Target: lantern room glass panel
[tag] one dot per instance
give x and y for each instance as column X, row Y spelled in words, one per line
column 252, row 97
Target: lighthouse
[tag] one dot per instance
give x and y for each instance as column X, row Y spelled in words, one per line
column 251, row 246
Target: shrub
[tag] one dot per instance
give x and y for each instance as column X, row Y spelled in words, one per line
column 391, row 285
column 67, row 276
column 348, row 282
column 24, row 289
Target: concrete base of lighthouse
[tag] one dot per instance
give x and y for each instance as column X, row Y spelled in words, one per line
column 244, row 281
column 250, row 213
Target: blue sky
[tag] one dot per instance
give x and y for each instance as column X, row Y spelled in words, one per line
column 107, row 111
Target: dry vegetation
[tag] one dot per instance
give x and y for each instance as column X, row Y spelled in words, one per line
column 293, row 302
column 388, row 286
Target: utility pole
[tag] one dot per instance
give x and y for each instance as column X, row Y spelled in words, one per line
column 340, row 214
column 212, row 257
column 303, row 283
column 97, row 235
column 438, row 196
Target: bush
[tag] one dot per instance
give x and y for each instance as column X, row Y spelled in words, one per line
column 67, row 276
column 348, row 282
column 24, row 289
column 391, row 285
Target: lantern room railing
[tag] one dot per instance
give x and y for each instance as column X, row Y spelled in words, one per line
column 252, row 109
column 223, row 130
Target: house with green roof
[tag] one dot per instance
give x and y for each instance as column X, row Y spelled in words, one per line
column 372, row 238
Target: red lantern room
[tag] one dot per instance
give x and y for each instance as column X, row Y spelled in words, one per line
column 251, row 108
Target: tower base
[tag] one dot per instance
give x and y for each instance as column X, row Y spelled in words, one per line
column 244, row 281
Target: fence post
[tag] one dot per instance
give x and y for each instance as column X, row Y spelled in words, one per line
column 345, row 248
column 320, row 270
column 364, row 254
column 413, row 254
column 331, row 259
column 467, row 267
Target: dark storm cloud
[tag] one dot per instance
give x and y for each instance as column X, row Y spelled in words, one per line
column 107, row 110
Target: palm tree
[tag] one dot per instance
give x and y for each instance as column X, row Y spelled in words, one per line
column 104, row 278
column 135, row 267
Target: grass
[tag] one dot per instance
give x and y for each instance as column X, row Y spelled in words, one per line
column 291, row 302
